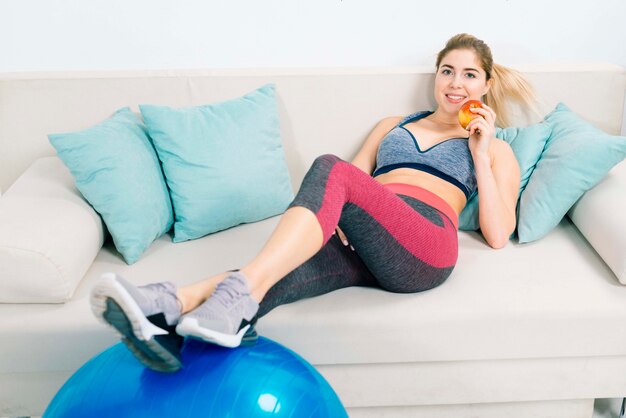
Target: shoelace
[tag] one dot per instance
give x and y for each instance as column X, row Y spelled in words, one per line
column 226, row 294
column 160, row 303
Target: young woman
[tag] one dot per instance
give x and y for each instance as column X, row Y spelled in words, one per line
column 398, row 202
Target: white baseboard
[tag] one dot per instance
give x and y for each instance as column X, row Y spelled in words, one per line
column 580, row 408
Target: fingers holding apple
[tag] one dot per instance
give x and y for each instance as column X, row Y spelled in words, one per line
column 481, row 127
column 486, row 120
column 477, row 126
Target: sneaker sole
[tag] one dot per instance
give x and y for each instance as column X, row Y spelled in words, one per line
column 189, row 327
column 250, row 337
column 111, row 304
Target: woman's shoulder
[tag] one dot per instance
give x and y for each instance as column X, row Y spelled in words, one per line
column 390, row 121
column 416, row 116
column 397, row 120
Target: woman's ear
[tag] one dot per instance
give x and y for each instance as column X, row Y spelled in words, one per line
column 488, row 86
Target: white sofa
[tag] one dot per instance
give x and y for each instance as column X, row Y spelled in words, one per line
column 532, row 330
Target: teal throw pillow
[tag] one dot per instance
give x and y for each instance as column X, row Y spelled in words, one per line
column 224, row 163
column 117, row 171
column 576, row 158
column 527, row 144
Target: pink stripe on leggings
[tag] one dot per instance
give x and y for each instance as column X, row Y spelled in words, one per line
column 435, row 245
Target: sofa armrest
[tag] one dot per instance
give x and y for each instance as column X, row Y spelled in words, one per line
column 599, row 215
column 49, row 235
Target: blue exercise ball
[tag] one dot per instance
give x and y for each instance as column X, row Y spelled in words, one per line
column 262, row 380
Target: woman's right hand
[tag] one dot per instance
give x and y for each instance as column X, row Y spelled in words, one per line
column 343, row 238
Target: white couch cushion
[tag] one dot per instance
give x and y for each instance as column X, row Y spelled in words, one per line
column 49, row 236
column 599, row 215
column 551, row 298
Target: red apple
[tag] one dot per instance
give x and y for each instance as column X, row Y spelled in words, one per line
column 465, row 115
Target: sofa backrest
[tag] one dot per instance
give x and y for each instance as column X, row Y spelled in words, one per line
column 322, row 110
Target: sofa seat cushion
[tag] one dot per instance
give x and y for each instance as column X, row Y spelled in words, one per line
column 495, row 305
column 551, row 299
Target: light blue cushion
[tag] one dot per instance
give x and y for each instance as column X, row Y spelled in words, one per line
column 527, row 144
column 576, row 158
column 117, row 171
column 224, row 162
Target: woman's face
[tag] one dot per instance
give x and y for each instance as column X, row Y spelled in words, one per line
column 459, row 78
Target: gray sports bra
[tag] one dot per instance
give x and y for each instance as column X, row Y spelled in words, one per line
column 449, row 160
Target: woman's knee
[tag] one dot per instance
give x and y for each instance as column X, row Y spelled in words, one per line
column 321, row 168
column 326, row 160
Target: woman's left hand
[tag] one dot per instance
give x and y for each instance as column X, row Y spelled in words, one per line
column 482, row 129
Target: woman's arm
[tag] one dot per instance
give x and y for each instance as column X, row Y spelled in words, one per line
column 497, row 176
column 365, row 159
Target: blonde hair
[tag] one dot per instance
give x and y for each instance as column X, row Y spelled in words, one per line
column 507, row 83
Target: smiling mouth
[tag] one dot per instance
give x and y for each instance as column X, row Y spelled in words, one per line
column 454, row 97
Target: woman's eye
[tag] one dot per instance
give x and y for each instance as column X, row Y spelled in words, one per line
column 471, row 75
column 446, row 72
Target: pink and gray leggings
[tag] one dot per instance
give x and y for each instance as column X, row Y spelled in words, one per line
column 405, row 238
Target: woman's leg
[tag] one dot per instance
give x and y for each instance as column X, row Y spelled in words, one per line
column 193, row 295
column 401, row 244
column 297, row 238
column 398, row 238
column 415, row 251
column 408, row 245
column 333, row 267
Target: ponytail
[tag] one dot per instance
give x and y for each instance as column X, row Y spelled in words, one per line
column 508, row 85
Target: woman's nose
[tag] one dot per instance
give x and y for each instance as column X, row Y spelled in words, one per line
column 456, row 82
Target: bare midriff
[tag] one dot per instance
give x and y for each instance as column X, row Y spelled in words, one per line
column 445, row 190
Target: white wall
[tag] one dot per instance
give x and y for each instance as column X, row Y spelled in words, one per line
column 157, row 34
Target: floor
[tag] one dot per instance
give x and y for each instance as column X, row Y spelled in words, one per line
column 604, row 408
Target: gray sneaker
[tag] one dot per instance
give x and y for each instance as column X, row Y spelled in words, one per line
column 227, row 318
column 144, row 316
